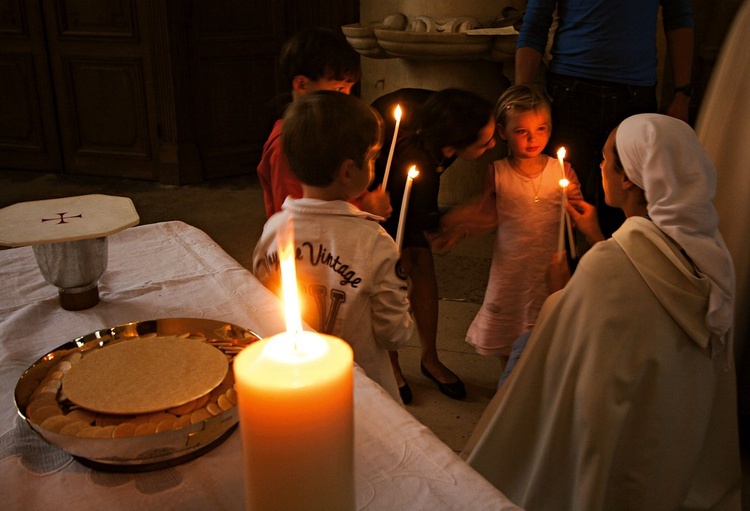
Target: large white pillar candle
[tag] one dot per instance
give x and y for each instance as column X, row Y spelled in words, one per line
column 296, row 406
column 296, row 412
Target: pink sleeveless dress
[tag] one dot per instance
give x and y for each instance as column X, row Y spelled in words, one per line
column 527, row 236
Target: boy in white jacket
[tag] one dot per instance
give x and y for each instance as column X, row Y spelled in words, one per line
column 349, row 281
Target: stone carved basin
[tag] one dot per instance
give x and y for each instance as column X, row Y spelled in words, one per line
column 432, row 45
column 434, row 38
column 362, row 38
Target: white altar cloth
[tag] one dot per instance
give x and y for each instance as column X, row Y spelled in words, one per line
column 174, row 270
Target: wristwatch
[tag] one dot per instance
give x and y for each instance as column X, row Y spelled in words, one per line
column 686, row 89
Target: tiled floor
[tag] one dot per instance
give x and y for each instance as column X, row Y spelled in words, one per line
column 231, row 212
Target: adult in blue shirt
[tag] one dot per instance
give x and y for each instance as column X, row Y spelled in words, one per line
column 603, row 69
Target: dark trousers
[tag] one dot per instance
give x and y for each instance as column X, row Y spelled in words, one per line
column 584, row 112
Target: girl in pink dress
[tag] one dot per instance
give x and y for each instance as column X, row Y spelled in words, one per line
column 521, row 201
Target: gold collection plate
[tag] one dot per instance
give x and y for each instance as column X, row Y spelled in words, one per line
column 146, row 451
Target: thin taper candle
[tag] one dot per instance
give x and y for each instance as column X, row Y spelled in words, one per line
column 413, row 172
column 563, row 217
column 561, row 237
column 397, row 115
column 571, row 239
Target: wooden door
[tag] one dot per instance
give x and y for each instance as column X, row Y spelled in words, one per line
column 169, row 90
column 28, row 120
column 234, row 48
column 100, row 54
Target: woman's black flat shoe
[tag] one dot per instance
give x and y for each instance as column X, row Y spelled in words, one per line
column 405, row 393
column 455, row 390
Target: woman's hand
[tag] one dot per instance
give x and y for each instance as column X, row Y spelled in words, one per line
column 584, row 219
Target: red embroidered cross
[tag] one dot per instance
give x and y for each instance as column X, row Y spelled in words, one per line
column 62, row 218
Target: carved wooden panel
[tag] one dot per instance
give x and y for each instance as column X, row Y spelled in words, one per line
column 19, row 105
column 103, row 75
column 110, row 19
column 232, row 138
column 28, row 123
column 233, row 19
column 109, row 107
column 235, row 47
column 168, row 90
column 13, row 18
column 301, row 14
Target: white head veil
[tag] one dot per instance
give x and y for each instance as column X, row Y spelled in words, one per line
column 662, row 155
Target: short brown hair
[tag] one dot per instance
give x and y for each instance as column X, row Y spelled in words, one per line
column 453, row 117
column 317, row 53
column 323, row 129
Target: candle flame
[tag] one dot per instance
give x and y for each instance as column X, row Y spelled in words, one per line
column 413, row 172
column 561, row 157
column 286, row 250
column 564, row 183
column 397, row 113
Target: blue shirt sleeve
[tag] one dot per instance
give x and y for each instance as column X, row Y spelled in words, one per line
column 606, row 40
column 537, row 21
column 676, row 14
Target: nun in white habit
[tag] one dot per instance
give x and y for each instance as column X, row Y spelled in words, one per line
column 624, row 397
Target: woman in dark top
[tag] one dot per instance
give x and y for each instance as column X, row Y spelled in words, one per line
column 436, row 128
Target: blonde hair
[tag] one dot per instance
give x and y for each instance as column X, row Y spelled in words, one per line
column 519, row 99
